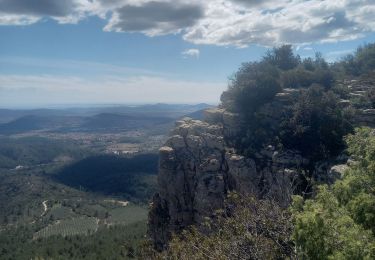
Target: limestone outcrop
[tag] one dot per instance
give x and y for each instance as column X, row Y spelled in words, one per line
column 198, row 167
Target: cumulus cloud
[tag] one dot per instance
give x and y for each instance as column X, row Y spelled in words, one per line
column 194, row 53
column 294, row 21
column 23, row 12
column 217, row 22
column 154, row 18
column 38, row 7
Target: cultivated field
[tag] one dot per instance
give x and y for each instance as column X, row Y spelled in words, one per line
column 127, row 215
column 69, row 227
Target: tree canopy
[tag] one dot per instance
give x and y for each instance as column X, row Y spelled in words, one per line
column 312, row 122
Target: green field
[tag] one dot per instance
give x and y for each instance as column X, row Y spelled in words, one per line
column 69, row 227
column 60, row 212
column 109, row 242
column 128, row 215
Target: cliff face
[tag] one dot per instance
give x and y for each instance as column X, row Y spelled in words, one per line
column 198, row 168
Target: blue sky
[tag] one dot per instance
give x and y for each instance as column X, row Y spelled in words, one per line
column 131, row 52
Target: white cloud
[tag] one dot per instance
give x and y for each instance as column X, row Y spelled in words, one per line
column 217, row 22
column 7, row 19
column 194, row 53
column 295, row 21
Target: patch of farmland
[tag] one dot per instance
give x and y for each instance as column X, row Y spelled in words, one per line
column 60, row 212
column 91, row 210
column 69, row 227
column 127, row 215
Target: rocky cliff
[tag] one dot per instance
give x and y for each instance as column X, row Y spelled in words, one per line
column 198, row 167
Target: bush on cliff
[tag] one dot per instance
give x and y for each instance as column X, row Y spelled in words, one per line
column 282, row 58
column 316, row 124
column 254, row 84
column 339, row 223
column 309, row 71
column 248, row 229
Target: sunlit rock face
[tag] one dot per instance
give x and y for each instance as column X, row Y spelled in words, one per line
column 198, row 167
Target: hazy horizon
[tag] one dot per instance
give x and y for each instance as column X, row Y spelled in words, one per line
column 97, row 105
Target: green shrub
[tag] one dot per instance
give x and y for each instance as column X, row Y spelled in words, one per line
column 250, row 229
column 282, row 58
column 339, row 223
column 254, row 84
column 325, row 230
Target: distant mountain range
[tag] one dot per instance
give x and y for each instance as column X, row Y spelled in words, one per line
column 107, row 119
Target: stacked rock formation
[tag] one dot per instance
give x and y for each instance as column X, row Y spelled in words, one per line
column 198, row 168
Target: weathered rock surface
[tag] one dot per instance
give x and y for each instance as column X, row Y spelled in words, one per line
column 197, row 169
column 362, row 90
column 366, row 117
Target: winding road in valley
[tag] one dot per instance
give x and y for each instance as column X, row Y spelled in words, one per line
column 45, row 207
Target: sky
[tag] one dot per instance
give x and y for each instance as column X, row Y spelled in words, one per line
column 86, row 52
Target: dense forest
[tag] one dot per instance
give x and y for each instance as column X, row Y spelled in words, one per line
column 132, row 178
column 328, row 218
column 31, row 151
